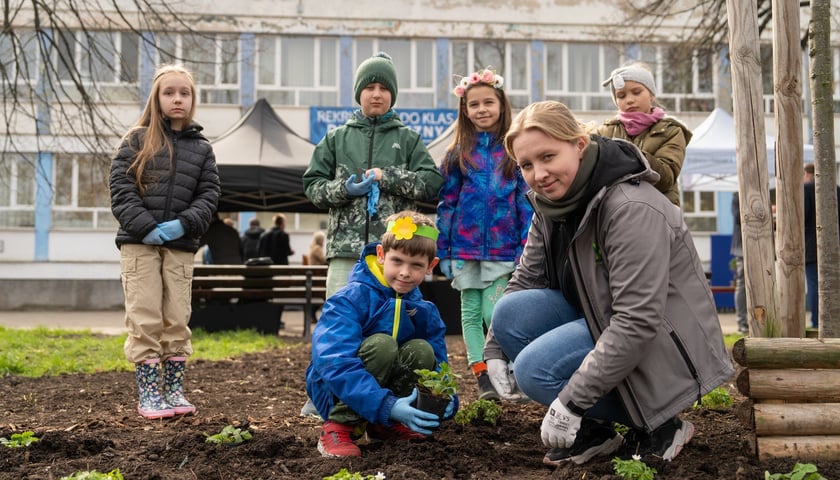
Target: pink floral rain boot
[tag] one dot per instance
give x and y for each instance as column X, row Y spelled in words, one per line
column 173, row 385
column 151, row 404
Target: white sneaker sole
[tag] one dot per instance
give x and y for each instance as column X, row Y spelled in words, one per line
column 681, row 438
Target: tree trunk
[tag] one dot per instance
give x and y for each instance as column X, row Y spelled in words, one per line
column 803, row 449
column 828, row 245
column 790, row 226
column 751, row 151
column 789, row 385
column 796, row 419
column 787, row 353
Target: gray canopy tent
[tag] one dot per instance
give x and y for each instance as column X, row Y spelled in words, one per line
column 261, row 163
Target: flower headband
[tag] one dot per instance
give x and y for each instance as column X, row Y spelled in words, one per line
column 405, row 229
column 487, row 76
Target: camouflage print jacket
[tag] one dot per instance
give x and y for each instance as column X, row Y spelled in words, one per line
column 409, row 175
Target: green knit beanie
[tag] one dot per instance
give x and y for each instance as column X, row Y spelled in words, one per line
column 376, row 69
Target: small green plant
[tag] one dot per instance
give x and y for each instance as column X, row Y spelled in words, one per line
column 718, row 399
column 19, row 440
column 801, row 471
column 345, row 474
column 620, row 428
column 94, row 475
column 441, row 383
column 479, row 411
column 633, row 469
column 229, row 435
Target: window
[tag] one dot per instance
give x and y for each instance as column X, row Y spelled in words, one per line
column 700, row 210
column 574, row 72
column 283, row 79
column 414, row 61
column 81, row 197
column 17, row 190
column 107, row 61
column 510, row 59
column 213, row 60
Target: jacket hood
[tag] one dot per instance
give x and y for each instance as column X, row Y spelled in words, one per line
column 369, row 272
column 254, row 232
column 618, row 161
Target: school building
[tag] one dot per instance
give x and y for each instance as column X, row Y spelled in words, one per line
column 300, row 55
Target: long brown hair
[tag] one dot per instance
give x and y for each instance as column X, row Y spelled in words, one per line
column 151, row 120
column 464, row 141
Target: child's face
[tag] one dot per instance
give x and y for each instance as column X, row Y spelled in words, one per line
column 375, row 100
column 175, row 97
column 549, row 166
column 404, row 272
column 634, row 97
column 483, row 107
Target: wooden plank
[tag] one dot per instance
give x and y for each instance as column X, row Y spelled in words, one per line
column 802, row 448
column 773, row 419
column 752, row 352
column 789, row 384
column 265, row 282
column 258, row 271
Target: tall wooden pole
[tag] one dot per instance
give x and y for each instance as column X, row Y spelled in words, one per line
column 751, row 151
column 790, row 227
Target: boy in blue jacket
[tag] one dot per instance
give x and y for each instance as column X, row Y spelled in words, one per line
column 371, row 336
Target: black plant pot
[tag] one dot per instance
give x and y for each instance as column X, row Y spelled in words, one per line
column 431, row 403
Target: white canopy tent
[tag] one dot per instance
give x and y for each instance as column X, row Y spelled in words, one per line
column 710, row 160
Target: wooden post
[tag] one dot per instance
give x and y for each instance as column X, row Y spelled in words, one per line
column 751, row 151
column 787, row 353
column 789, row 384
column 803, row 449
column 779, row 419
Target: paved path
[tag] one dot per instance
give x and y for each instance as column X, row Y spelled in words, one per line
column 111, row 322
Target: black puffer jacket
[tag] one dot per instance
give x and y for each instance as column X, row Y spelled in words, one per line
column 187, row 189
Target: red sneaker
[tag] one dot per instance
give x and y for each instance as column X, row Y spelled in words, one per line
column 396, row 432
column 336, row 440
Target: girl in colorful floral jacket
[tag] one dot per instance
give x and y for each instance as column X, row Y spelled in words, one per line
column 483, row 215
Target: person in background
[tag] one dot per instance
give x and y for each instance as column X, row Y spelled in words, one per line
column 640, row 120
column 608, row 317
column 736, row 250
column 372, row 336
column 223, row 244
column 251, row 239
column 316, row 249
column 368, row 169
column 483, row 215
column 812, row 282
column 275, row 242
column 164, row 188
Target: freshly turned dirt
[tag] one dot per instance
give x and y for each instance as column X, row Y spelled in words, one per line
column 89, row 422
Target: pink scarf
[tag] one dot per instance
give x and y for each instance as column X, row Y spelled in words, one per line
column 637, row 122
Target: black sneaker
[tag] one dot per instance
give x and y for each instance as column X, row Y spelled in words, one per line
column 485, row 388
column 666, row 442
column 593, row 439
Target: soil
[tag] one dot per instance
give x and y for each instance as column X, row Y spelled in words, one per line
column 89, row 422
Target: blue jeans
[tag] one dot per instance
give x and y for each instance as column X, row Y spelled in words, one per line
column 547, row 339
column 813, row 293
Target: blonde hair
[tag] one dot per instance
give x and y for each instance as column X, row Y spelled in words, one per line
column 151, row 120
column 549, row 117
column 416, row 245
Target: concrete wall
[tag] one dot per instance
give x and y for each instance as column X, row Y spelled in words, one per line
column 61, row 294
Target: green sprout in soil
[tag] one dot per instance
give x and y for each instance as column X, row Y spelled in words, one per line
column 344, row 474
column 442, row 383
column 19, row 440
column 718, row 399
column 94, row 475
column 229, row 435
column 633, row 469
column 801, row 471
column 479, row 411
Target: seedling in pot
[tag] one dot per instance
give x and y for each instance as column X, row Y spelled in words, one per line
column 436, row 388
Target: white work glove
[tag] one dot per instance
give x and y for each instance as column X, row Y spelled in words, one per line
column 501, row 376
column 559, row 426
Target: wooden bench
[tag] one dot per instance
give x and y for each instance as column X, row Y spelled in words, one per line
column 245, row 292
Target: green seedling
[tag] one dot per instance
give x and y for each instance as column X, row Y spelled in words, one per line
column 801, row 471
column 229, row 435
column 633, row 469
column 344, row 474
column 94, row 475
column 441, row 383
column 718, row 399
column 19, row 440
column 479, row 411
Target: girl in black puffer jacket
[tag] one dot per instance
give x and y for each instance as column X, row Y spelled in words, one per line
column 164, row 191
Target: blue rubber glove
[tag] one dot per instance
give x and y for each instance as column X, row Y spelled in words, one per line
column 155, row 237
column 172, row 229
column 373, row 199
column 451, row 408
column 418, row 420
column 361, row 188
column 446, row 267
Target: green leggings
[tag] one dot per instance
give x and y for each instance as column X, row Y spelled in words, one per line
column 476, row 313
column 392, row 366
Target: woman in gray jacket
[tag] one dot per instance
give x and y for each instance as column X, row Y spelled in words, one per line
column 625, row 329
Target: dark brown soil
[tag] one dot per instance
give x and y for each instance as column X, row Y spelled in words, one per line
column 89, row 422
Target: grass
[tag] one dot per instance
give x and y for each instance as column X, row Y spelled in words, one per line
column 47, row 352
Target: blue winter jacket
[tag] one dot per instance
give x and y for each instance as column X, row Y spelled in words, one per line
column 365, row 306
